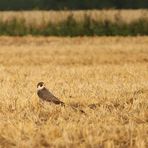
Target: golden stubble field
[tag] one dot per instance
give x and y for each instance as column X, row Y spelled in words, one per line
column 111, row 72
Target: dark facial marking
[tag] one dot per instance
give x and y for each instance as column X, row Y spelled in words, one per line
column 40, row 84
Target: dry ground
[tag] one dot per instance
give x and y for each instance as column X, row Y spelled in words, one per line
column 109, row 71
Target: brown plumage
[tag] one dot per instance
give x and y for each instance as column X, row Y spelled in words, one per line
column 45, row 95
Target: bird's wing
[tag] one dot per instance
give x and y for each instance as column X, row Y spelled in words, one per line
column 48, row 96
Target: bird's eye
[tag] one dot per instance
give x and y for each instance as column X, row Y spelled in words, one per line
column 41, row 85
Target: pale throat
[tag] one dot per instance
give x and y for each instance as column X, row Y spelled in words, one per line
column 40, row 87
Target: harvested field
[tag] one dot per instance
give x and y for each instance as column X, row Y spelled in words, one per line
column 109, row 72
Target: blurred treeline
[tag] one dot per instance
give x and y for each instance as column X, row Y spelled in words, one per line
column 72, row 27
column 71, row 4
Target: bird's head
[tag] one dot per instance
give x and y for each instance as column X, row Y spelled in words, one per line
column 40, row 85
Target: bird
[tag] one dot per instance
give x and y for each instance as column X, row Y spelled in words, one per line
column 45, row 95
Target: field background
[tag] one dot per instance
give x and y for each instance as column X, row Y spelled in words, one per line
column 39, row 18
column 74, row 23
column 109, row 71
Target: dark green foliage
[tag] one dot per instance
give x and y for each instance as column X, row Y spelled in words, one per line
column 71, row 4
column 71, row 27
